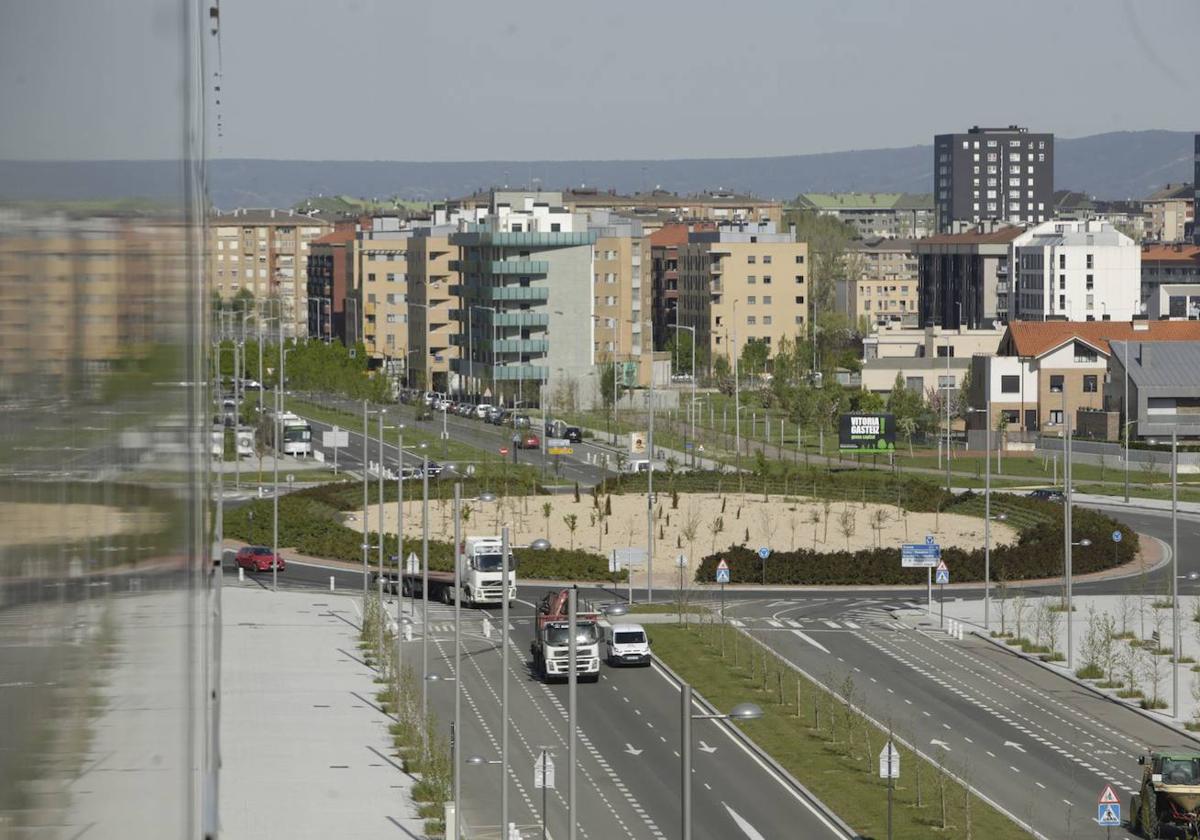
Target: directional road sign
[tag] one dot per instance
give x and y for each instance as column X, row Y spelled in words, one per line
column 626, row 558
column 335, row 438
column 681, row 561
column 941, row 573
column 722, row 572
column 764, row 553
column 1116, row 536
column 920, row 555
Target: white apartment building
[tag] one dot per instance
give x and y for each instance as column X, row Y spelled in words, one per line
column 1075, row 271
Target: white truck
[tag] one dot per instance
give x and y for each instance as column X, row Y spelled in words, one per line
column 481, row 576
column 550, row 648
column 296, row 434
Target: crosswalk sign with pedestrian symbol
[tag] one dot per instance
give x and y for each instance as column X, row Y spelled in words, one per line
column 722, row 572
column 942, row 574
column 1108, row 811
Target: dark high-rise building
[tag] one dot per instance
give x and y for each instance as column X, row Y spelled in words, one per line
column 993, row 173
column 1196, row 184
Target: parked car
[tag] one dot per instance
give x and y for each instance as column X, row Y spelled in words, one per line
column 258, row 558
column 1047, row 494
column 573, row 434
column 528, row 440
column 493, row 412
column 481, row 411
column 520, row 421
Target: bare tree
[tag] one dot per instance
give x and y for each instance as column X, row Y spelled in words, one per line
column 879, row 520
column 572, row 522
column 1020, row 607
column 827, row 508
column 814, row 516
column 847, row 524
column 715, row 527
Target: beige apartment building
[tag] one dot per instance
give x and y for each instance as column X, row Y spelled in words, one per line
column 265, row 252
column 740, row 283
column 621, row 299
column 432, row 295
column 882, row 286
column 376, row 311
column 78, row 296
column 1170, row 213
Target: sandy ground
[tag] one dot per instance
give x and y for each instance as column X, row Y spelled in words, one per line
column 25, row 523
column 697, row 528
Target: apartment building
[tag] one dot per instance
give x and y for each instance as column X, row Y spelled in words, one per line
column 876, row 215
column 881, row 286
column 1075, row 271
column 376, row 309
column 330, row 271
column 1170, row 213
column 740, row 283
column 265, row 252
column 1196, row 186
column 1044, row 371
column 986, row 174
column 80, row 295
column 963, row 277
column 432, row 328
column 1163, row 389
column 621, row 286
column 526, row 301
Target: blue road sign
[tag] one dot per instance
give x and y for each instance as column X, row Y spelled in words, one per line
column 722, row 576
column 929, row 540
column 941, row 574
column 764, row 553
column 1109, row 814
column 1116, row 536
column 688, row 445
column 920, row 555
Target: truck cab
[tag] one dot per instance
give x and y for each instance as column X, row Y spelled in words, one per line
column 481, row 572
column 626, row 644
column 551, row 646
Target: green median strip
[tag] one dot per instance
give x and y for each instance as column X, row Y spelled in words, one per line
column 830, row 748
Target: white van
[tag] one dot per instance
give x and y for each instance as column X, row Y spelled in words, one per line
column 626, row 644
column 481, row 410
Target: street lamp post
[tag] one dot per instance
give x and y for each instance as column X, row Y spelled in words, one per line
column 742, row 711
column 1174, row 572
column 504, row 573
column 1125, row 407
column 424, row 580
column 737, row 393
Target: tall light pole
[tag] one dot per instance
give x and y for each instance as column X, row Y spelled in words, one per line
column 380, row 493
column 1126, row 421
column 742, row 711
column 399, row 521
column 572, row 683
column 504, row 573
column 1174, row 570
column 649, row 492
column 692, row 407
column 366, row 501
column 424, row 581
column 737, row 393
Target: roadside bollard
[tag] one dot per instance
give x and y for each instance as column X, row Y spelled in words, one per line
column 487, row 629
column 241, row 574
column 408, row 631
column 331, row 586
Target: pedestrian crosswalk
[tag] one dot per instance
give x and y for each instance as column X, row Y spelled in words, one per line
column 855, row 617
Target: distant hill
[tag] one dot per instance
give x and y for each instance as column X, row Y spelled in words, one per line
column 1118, row 165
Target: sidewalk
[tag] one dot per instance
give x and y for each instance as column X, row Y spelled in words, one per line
column 305, row 750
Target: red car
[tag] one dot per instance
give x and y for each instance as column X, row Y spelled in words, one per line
column 527, row 441
column 259, row 558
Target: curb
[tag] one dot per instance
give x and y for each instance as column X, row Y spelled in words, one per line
column 765, row 757
column 1099, row 692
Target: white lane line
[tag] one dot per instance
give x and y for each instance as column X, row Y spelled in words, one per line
column 744, row 824
column 811, row 641
column 791, row 622
column 832, row 624
column 773, row 623
column 1039, row 784
column 735, row 622
column 851, row 625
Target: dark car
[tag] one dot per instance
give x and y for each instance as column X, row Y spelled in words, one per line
column 573, row 434
column 258, row 558
column 1047, row 494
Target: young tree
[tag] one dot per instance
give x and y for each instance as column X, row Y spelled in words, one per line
column 572, row 522
column 715, row 527
column 814, row 516
column 879, row 520
column 847, row 524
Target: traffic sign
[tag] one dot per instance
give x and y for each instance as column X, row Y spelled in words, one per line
column 412, row 562
column 1108, row 796
column 764, row 553
column 681, row 561
column 722, row 572
column 920, row 555
column 929, row 540
column 503, row 450
column 1109, row 814
column 889, row 762
column 1116, row 536
column 942, row 573
column 543, row 771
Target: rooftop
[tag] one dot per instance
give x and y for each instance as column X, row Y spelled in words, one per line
column 864, row 201
column 999, row 236
column 267, row 216
column 1171, row 253
column 1172, row 191
column 338, row 237
column 1035, row 338
column 1166, row 364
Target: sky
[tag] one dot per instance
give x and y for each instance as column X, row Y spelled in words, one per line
column 469, row 80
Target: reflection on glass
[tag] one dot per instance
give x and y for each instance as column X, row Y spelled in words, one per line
column 106, row 643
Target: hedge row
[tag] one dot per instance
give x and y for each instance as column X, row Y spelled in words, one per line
column 1037, row 553
column 310, row 522
column 914, row 493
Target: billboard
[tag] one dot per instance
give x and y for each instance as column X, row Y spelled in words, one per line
column 867, row 432
column 637, row 443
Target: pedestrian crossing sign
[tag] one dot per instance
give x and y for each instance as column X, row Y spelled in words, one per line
column 722, row 572
column 1108, row 796
column 1109, row 814
column 942, row 574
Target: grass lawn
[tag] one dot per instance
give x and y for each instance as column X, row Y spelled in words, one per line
column 834, row 752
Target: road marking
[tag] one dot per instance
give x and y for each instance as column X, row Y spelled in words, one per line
column 968, row 740
column 706, row 748
column 1014, row 769
column 851, row 625
column 811, row 641
column 791, row 622
column 1014, row 745
column 1039, row 784
column 936, row 743
column 773, row 623
column 629, row 748
column 742, row 823
column 832, row 624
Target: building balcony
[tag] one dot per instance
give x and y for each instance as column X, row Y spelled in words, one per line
column 369, row 309
column 476, row 235
column 519, row 266
column 516, row 345
column 522, row 319
column 538, row 293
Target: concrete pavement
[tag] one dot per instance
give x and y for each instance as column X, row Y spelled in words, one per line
column 306, row 750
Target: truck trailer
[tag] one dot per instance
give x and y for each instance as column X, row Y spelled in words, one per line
column 481, row 574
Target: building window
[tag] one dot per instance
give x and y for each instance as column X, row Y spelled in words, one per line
column 751, row 279
column 1010, row 416
column 915, row 383
column 750, row 258
column 766, row 279
column 799, row 259
column 1056, row 417
column 1056, row 383
column 945, row 382
column 1091, row 261
column 799, row 278
column 799, row 319
column 751, row 300
column 799, row 298
column 1010, row 384
column 1090, row 384
column 767, row 320
column 766, row 259
column 1062, row 260
column 750, row 319
column 766, row 300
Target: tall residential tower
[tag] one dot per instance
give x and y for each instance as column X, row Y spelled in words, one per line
column 1004, row 174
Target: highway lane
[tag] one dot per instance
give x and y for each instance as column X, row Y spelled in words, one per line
column 1038, row 745
column 628, row 750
